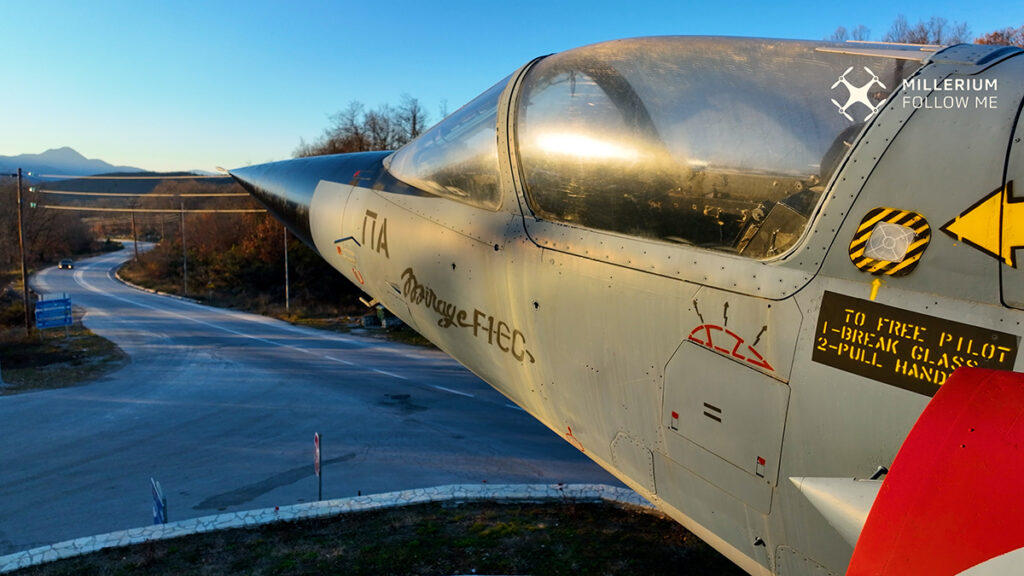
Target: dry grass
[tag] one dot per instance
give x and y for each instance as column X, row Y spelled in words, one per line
column 476, row 538
column 50, row 359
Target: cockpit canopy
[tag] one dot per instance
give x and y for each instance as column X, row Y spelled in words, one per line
column 722, row 143
column 458, row 157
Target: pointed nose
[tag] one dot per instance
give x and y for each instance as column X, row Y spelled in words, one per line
column 286, row 188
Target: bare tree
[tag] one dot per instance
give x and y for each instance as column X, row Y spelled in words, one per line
column 412, row 118
column 49, row 234
column 8, row 222
column 381, row 132
column 348, row 133
column 355, row 129
column 936, row 30
column 861, row 33
column 840, row 35
column 899, row 31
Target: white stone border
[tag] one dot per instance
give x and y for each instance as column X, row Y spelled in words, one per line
column 327, row 508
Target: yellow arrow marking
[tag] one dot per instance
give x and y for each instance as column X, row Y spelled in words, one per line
column 994, row 225
column 875, row 285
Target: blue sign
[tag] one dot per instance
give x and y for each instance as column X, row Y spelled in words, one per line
column 53, row 313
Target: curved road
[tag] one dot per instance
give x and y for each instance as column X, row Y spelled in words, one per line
column 221, row 407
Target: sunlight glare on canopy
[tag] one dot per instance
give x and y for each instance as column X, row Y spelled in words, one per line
column 584, row 147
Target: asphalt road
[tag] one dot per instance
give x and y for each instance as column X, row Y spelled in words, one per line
column 221, row 408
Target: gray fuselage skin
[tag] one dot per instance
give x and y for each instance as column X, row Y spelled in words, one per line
column 707, row 381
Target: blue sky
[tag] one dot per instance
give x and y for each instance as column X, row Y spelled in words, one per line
column 194, row 85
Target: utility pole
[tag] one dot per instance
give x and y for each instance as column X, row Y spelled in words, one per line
column 24, row 275
column 287, row 299
column 135, row 237
column 184, row 254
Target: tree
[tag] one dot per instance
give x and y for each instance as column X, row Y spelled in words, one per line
column 53, row 234
column 236, row 259
column 380, row 129
column 8, row 223
column 348, row 133
column 860, row 33
column 49, row 234
column 355, row 129
column 1008, row 36
column 936, row 30
column 412, row 118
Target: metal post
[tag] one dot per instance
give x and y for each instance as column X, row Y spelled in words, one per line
column 135, row 237
column 24, row 275
column 318, row 443
column 287, row 298
column 184, row 254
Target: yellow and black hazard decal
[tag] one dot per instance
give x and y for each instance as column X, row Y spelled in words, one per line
column 890, row 242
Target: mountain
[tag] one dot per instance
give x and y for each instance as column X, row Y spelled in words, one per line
column 63, row 161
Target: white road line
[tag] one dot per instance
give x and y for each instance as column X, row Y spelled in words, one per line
column 241, row 316
column 442, row 388
column 85, row 284
column 81, row 281
column 386, row 373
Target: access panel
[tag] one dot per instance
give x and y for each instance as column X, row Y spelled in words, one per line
column 724, row 409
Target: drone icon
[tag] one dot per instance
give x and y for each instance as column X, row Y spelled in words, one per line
column 857, row 93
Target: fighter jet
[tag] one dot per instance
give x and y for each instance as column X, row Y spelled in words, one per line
column 773, row 286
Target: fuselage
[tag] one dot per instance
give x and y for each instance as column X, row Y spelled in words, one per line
column 708, row 264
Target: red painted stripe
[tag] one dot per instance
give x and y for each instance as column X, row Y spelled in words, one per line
column 953, row 497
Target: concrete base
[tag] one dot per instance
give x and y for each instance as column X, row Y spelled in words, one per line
column 327, row 508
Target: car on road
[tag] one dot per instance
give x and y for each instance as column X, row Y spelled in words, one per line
column 66, row 264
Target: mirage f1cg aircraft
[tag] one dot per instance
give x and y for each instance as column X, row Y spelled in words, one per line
column 773, row 286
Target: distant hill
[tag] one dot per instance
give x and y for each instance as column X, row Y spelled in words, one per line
column 55, row 168
column 60, row 161
column 146, row 183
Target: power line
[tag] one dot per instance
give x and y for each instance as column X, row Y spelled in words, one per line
column 146, row 195
column 148, row 210
column 190, row 177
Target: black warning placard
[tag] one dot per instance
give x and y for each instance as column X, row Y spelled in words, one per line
column 903, row 348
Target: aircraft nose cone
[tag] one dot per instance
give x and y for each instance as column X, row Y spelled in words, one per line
column 285, row 189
